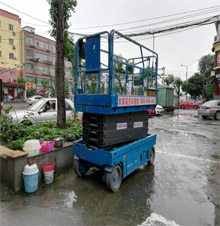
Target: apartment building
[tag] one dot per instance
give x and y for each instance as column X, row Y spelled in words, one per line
column 39, row 57
column 10, row 54
column 216, row 73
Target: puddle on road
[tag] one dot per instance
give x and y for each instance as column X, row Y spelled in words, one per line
column 157, row 220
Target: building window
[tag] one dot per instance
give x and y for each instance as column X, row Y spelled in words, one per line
column 29, row 67
column 11, row 55
column 12, row 74
column 29, row 40
column 10, row 27
column 11, row 41
column 30, row 79
column 29, row 53
column 1, row 73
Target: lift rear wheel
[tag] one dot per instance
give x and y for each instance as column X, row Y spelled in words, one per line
column 152, row 156
column 114, row 179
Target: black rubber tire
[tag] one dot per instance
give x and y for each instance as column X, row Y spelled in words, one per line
column 182, row 106
column 110, row 179
column 217, row 115
column 152, row 156
column 204, row 117
column 76, row 168
column 195, row 107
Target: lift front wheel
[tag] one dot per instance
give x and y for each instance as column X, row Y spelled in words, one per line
column 114, row 179
column 152, row 156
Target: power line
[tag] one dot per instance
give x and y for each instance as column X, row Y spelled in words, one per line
column 154, row 18
column 167, row 21
column 24, row 13
column 200, row 22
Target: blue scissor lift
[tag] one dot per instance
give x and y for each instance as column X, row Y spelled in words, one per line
column 112, row 91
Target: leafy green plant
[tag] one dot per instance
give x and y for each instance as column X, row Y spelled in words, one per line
column 16, row 135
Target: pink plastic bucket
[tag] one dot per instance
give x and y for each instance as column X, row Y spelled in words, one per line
column 46, row 147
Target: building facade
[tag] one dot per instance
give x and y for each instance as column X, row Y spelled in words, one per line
column 39, row 57
column 10, row 55
column 216, row 73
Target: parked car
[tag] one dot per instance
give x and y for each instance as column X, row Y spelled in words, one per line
column 159, row 110
column 210, row 109
column 43, row 110
column 189, row 104
column 31, row 100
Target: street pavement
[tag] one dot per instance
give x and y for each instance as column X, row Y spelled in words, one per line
column 22, row 105
column 181, row 188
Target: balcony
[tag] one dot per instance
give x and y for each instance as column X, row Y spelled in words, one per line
column 48, row 62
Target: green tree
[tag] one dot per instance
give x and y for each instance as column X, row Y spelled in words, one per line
column 177, row 85
column 195, row 86
column 66, row 88
column 119, row 69
column 31, row 92
column 206, row 65
column 21, row 82
column 60, row 12
column 184, row 86
column 169, row 80
column 45, row 85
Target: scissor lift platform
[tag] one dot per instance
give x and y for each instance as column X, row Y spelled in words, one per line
column 116, row 163
column 113, row 92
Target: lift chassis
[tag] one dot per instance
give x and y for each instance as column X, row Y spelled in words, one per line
column 114, row 97
column 116, row 163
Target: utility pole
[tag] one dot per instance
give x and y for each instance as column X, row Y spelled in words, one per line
column 59, row 85
column 186, row 76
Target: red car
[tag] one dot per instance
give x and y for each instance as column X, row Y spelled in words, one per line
column 188, row 104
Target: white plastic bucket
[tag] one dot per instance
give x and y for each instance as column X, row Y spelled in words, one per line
column 30, row 175
column 32, row 147
column 48, row 177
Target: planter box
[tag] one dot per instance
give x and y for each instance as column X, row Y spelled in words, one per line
column 11, row 168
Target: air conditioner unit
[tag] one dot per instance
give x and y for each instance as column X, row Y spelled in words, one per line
column 14, row 33
column 15, row 58
column 217, row 38
column 31, row 45
column 13, row 47
column 47, row 50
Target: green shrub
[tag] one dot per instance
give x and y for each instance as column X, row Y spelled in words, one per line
column 16, row 135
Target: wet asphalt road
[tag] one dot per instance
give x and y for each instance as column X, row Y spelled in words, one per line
column 181, row 188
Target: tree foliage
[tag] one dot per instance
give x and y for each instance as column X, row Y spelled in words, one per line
column 195, row 85
column 45, row 85
column 31, row 92
column 68, row 8
column 206, row 65
column 169, row 80
column 21, row 82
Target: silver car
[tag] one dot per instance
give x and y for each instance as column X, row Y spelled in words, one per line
column 210, row 109
column 43, row 110
column 31, row 100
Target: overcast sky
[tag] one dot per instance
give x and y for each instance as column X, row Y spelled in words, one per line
column 185, row 47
